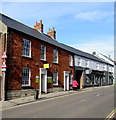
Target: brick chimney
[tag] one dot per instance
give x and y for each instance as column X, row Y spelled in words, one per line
column 52, row 33
column 39, row 26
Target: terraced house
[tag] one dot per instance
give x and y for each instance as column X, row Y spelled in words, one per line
column 36, row 60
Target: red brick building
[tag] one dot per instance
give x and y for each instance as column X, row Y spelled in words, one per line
column 29, row 52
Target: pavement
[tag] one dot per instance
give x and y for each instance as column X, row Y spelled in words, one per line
column 24, row 100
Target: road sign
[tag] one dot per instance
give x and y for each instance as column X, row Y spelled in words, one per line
column 3, row 69
column 4, row 55
column 4, row 64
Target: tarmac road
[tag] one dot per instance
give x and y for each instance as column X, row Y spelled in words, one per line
column 95, row 103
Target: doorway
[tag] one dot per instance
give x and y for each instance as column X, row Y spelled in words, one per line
column 66, row 80
column 78, row 78
column 43, row 80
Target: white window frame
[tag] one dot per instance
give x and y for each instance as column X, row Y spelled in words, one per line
column 97, row 66
column 27, row 71
column 70, row 78
column 26, row 48
column 86, row 63
column 70, row 60
column 79, row 61
column 55, row 56
column 43, row 53
column 55, row 78
column 104, row 67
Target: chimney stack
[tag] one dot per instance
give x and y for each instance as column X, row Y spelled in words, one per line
column 52, row 33
column 39, row 26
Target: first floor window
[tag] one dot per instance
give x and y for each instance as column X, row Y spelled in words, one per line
column 26, row 77
column 55, row 56
column 70, row 60
column 43, row 52
column 55, row 78
column 79, row 61
column 26, row 48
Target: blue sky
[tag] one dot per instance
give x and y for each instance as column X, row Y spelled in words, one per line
column 88, row 26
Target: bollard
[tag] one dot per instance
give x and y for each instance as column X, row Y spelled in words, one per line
column 36, row 94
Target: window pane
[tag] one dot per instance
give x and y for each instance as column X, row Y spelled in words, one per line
column 26, row 47
column 25, row 76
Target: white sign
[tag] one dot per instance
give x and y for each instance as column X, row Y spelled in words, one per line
column 4, row 55
column 3, row 69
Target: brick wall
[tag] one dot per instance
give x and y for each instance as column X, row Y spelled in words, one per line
column 15, row 61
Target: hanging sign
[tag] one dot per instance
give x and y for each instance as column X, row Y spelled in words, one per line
column 4, row 55
column 4, row 64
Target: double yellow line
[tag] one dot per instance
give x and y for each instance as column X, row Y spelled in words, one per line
column 111, row 115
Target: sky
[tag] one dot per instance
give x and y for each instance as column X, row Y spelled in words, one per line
column 87, row 26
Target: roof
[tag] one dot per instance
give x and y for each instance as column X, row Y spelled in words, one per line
column 11, row 23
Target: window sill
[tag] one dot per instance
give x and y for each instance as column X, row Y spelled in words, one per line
column 24, row 86
column 43, row 60
column 56, row 63
column 71, row 66
column 26, row 57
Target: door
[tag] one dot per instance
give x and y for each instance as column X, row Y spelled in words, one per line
column 43, row 80
column 66, row 80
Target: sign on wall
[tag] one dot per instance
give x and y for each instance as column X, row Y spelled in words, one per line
column 4, row 55
column 46, row 66
column 37, row 79
column 49, row 79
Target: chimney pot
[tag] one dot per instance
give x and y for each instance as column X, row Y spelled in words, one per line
column 52, row 33
column 39, row 26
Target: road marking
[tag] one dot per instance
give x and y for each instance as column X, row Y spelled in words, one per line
column 110, row 115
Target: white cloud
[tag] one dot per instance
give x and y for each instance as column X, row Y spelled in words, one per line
column 106, row 48
column 94, row 15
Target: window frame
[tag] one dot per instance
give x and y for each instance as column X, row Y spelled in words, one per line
column 55, row 56
column 97, row 66
column 29, row 76
column 55, row 76
column 25, row 48
column 79, row 61
column 43, row 53
column 70, row 60
column 86, row 63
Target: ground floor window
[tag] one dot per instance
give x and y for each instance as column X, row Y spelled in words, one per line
column 55, row 78
column 25, row 77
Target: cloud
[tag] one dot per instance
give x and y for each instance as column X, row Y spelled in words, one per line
column 103, row 47
column 94, row 15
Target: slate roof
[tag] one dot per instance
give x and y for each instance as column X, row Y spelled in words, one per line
column 11, row 23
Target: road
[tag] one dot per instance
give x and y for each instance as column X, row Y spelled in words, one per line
column 92, row 103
